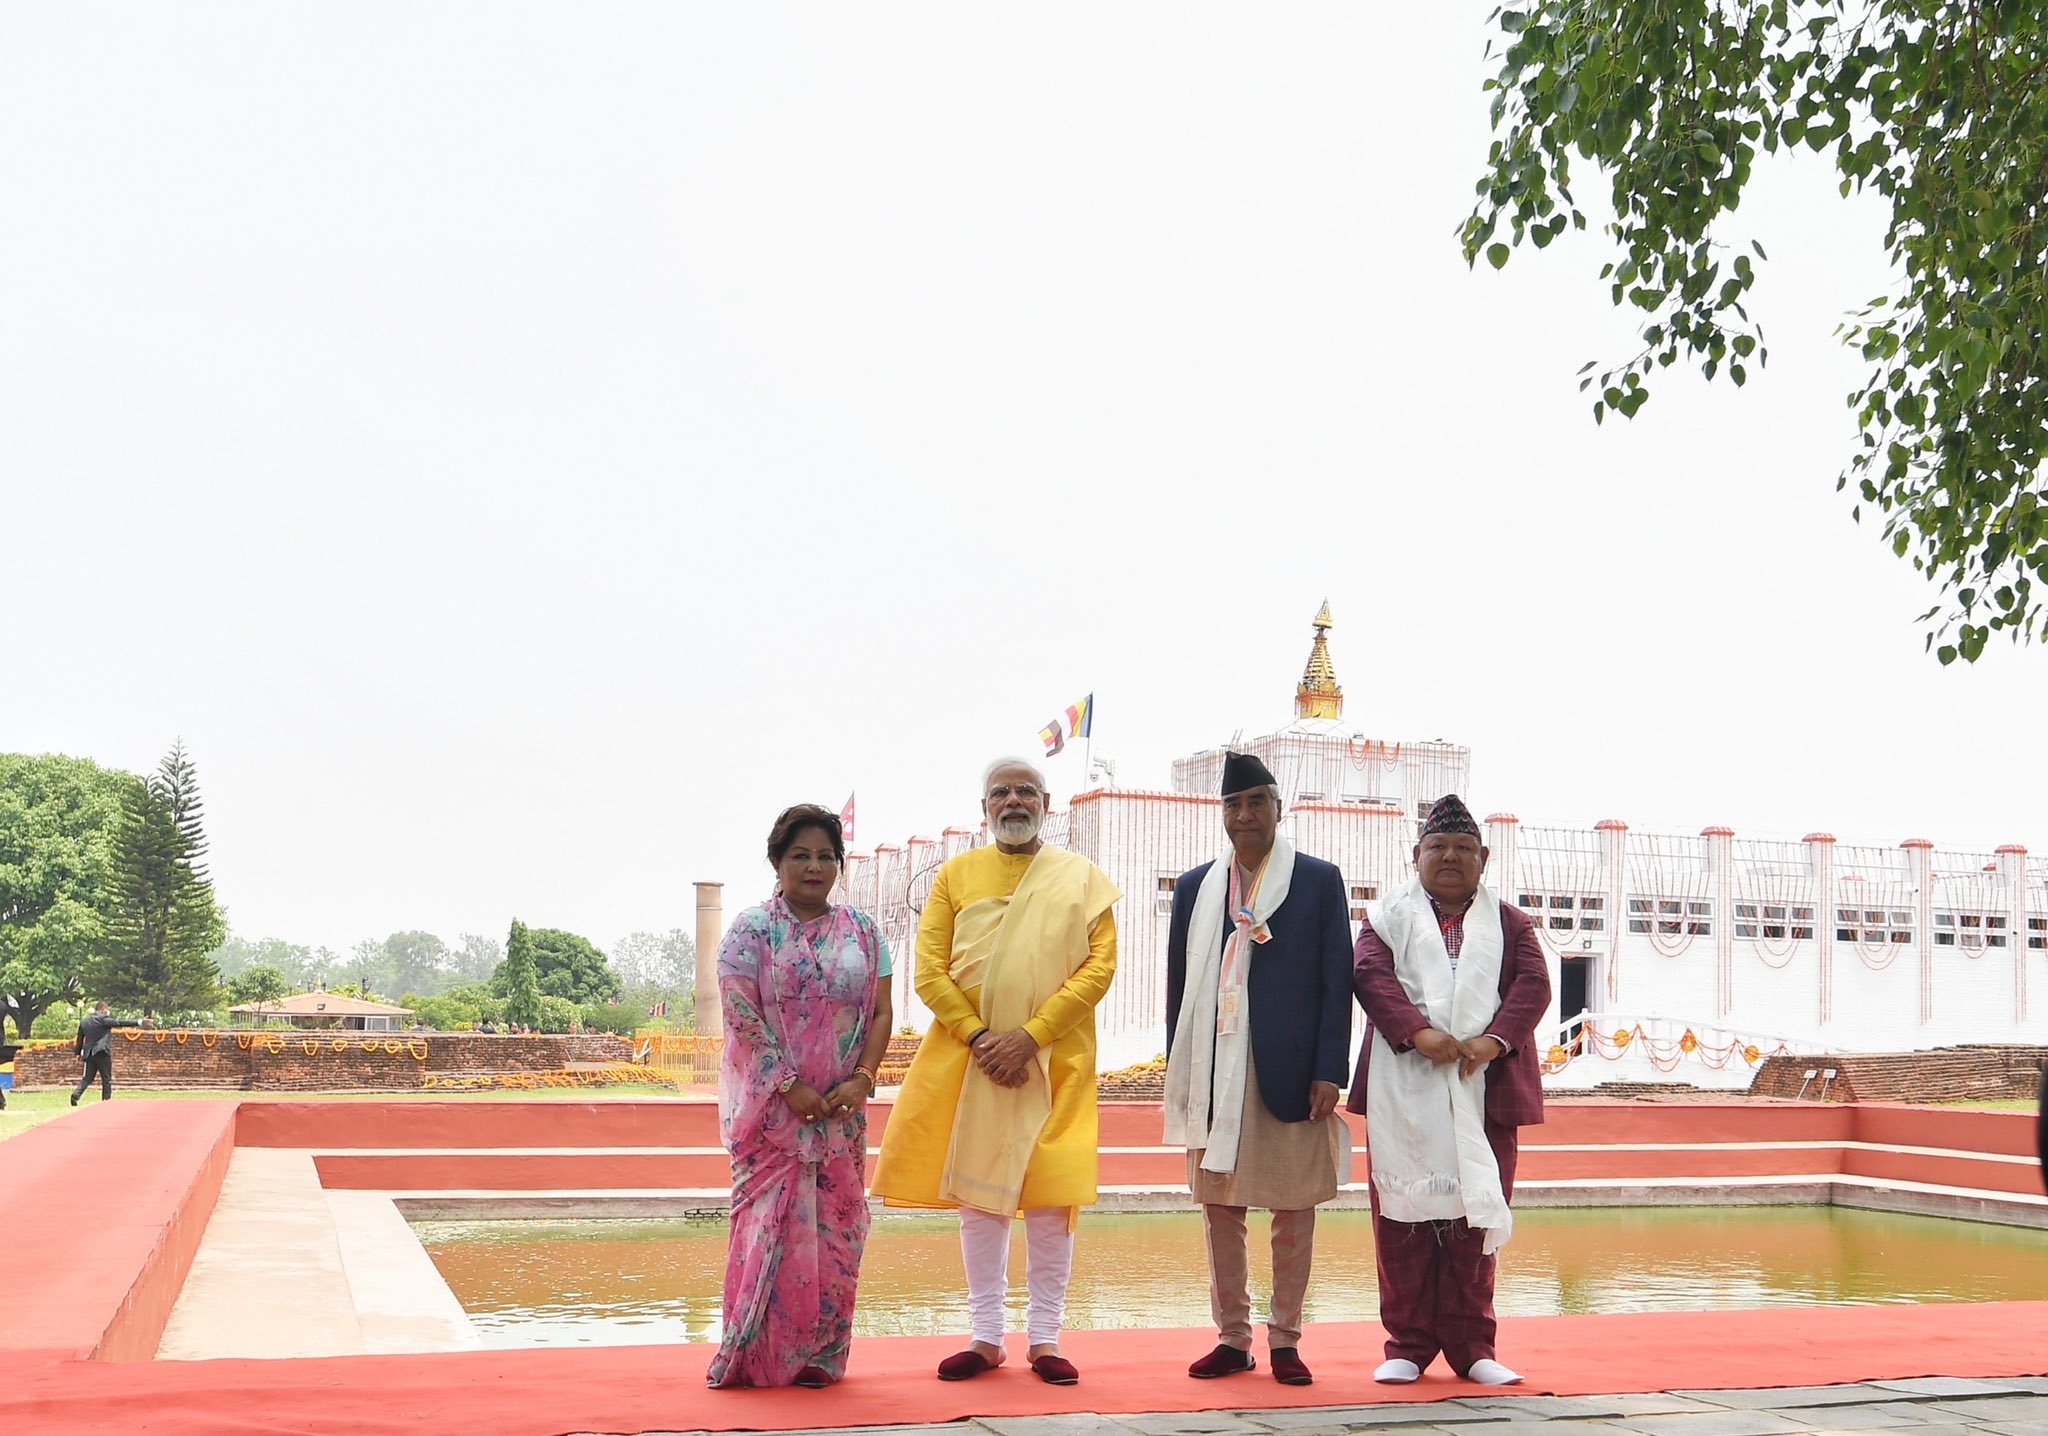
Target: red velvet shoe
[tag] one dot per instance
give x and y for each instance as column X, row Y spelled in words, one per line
column 964, row 1364
column 1225, row 1360
column 1055, row 1370
column 1288, row 1368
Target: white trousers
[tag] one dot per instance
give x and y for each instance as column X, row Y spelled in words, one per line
column 1048, row 1262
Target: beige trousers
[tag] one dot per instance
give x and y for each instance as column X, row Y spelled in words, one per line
column 1230, row 1297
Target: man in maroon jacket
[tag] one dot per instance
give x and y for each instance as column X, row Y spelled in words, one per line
column 1454, row 984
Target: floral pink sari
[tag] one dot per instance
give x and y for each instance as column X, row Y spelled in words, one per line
column 798, row 997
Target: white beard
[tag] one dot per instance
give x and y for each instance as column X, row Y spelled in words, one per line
column 1018, row 828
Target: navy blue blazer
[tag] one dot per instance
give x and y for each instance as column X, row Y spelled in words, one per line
column 1298, row 989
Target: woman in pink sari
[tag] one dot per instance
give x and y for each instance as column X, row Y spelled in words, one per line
column 807, row 1016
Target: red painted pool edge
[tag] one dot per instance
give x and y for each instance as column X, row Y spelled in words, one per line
column 124, row 1190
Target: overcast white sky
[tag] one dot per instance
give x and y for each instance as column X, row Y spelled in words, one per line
column 521, row 447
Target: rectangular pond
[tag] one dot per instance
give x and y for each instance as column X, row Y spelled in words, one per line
column 604, row 1282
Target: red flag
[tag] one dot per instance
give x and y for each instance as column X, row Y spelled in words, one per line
column 846, row 821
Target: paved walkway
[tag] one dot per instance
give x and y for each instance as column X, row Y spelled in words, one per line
column 287, row 1268
column 1929, row 1406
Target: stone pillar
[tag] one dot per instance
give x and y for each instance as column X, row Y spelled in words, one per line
column 1920, row 869
column 1820, row 862
column 2012, row 870
column 1720, row 884
column 1503, row 865
column 1614, row 856
column 710, row 932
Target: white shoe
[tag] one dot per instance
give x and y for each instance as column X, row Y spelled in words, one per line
column 1399, row 1372
column 1488, row 1372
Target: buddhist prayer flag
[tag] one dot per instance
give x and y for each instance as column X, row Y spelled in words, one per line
column 846, row 821
column 660, row 1008
column 1073, row 723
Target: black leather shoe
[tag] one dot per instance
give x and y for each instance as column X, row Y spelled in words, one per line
column 1225, row 1360
column 1288, row 1367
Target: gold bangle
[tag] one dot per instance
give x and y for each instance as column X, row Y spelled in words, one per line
column 864, row 1072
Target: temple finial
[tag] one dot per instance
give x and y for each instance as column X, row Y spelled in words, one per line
column 1319, row 696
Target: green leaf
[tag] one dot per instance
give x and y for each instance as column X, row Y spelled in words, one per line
column 1496, row 255
column 1932, row 111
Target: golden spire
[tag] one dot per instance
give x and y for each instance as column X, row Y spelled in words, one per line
column 1319, row 696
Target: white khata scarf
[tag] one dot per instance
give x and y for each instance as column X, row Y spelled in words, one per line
column 1425, row 1125
column 1205, row 1071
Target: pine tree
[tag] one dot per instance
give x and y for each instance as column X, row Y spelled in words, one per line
column 520, row 975
column 164, row 920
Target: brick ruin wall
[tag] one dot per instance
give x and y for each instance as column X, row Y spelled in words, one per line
column 292, row 1061
column 1946, row 1074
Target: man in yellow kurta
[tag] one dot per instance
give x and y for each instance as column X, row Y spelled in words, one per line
column 1015, row 948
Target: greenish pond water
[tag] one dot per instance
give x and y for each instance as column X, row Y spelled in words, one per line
column 562, row 1283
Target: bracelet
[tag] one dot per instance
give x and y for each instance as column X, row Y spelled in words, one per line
column 979, row 1034
column 864, row 1072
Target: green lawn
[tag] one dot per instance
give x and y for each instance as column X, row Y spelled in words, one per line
column 30, row 1109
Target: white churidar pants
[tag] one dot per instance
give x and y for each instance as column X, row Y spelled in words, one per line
column 1048, row 1262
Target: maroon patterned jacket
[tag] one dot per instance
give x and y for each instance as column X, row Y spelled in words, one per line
column 1514, row 1083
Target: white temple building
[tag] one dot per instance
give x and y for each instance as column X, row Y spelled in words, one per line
column 1673, row 957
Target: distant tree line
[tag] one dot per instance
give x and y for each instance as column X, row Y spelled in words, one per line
column 452, row 988
column 105, row 895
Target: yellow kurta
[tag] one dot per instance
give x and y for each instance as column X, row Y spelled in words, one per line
column 1062, row 1168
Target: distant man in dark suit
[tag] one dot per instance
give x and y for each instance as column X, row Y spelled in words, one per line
column 95, row 1047
column 1258, row 1027
column 1454, row 983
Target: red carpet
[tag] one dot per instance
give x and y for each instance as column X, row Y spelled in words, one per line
column 633, row 1389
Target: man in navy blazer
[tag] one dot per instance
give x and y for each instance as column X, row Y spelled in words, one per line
column 1258, row 1030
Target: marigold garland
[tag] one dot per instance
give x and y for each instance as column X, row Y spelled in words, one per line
column 1664, row 1054
column 615, row 1075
